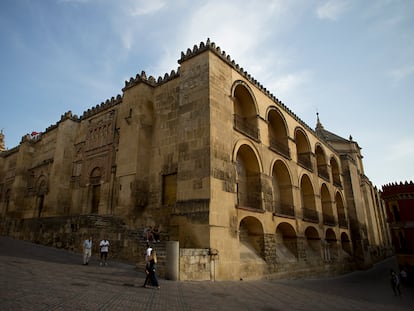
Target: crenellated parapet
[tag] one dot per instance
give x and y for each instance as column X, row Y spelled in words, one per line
column 395, row 188
column 34, row 136
column 211, row 46
column 396, row 184
column 103, row 106
column 151, row 81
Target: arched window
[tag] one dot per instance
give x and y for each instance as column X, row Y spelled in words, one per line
column 327, row 211
column 282, row 190
column 308, row 200
column 321, row 163
column 278, row 137
column 335, row 172
column 341, row 211
column 95, row 181
column 245, row 112
column 248, row 179
column 303, row 150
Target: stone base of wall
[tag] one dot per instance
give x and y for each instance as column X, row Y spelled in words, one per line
column 195, row 264
column 69, row 232
column 128, row 245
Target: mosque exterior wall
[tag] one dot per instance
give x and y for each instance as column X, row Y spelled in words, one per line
column 209, row 155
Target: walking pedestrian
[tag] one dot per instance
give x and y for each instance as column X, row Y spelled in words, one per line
column 104, row 246
column 403, row 277
column 152, row 269
column 147, row 262
column 87, row 250
column 395, row 283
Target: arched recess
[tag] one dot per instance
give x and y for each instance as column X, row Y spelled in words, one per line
column 278, row 133
column 251, row 238
column 340, row 209
column 321, row 163
column 313, row 249
column 330, row 246
column 95, row 182
column 336, row 177
column 248, row 179
column 41, row 191
column 251, row 246
column 282, row 190
column 147, row 114
column 303, row 150
column 346, row 243
column 286, row 243
column 308, row 200
column 245, row 110
column 327, row 210
column 146, row 120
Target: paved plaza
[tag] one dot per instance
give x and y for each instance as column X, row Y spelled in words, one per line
column 36, row 277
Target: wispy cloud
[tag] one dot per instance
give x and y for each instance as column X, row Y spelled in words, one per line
column 238, row 34
column 402, row 73
column 332, row 9
column 144, row 7
column 245, row 33
column 73, row 1
column 135, row 20
column 290, row 82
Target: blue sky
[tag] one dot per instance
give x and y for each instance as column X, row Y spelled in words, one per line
column 350, row 60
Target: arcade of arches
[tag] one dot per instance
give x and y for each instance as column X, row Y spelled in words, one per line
column 206, row 153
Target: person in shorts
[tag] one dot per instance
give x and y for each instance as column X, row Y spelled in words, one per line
column 104, row 246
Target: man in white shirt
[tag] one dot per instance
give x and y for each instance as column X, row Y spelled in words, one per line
column 87, row 250
column 104, row 245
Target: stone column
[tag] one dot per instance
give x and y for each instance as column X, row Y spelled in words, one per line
column 172, row 270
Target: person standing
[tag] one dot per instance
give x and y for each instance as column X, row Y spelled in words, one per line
column 156, row 234
column 104, row 246
column 148, row 234
column 87, row 250
column 395, row 283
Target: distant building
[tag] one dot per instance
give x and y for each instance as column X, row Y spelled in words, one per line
column 399, row 202
column 229, row 172
column 2, row 144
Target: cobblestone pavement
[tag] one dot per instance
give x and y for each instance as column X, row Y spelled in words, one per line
column 35, row 277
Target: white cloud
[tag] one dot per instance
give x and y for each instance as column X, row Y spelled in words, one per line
column 243, row 29
column 290, row 82
column 144, row 7
column 401, row 73
column 332, row 9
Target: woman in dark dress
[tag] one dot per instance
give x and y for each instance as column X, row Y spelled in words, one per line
column 152, row 268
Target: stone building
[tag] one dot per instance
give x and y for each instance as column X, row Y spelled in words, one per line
column 219, row 163
column 399, row 203
column 2, row 145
